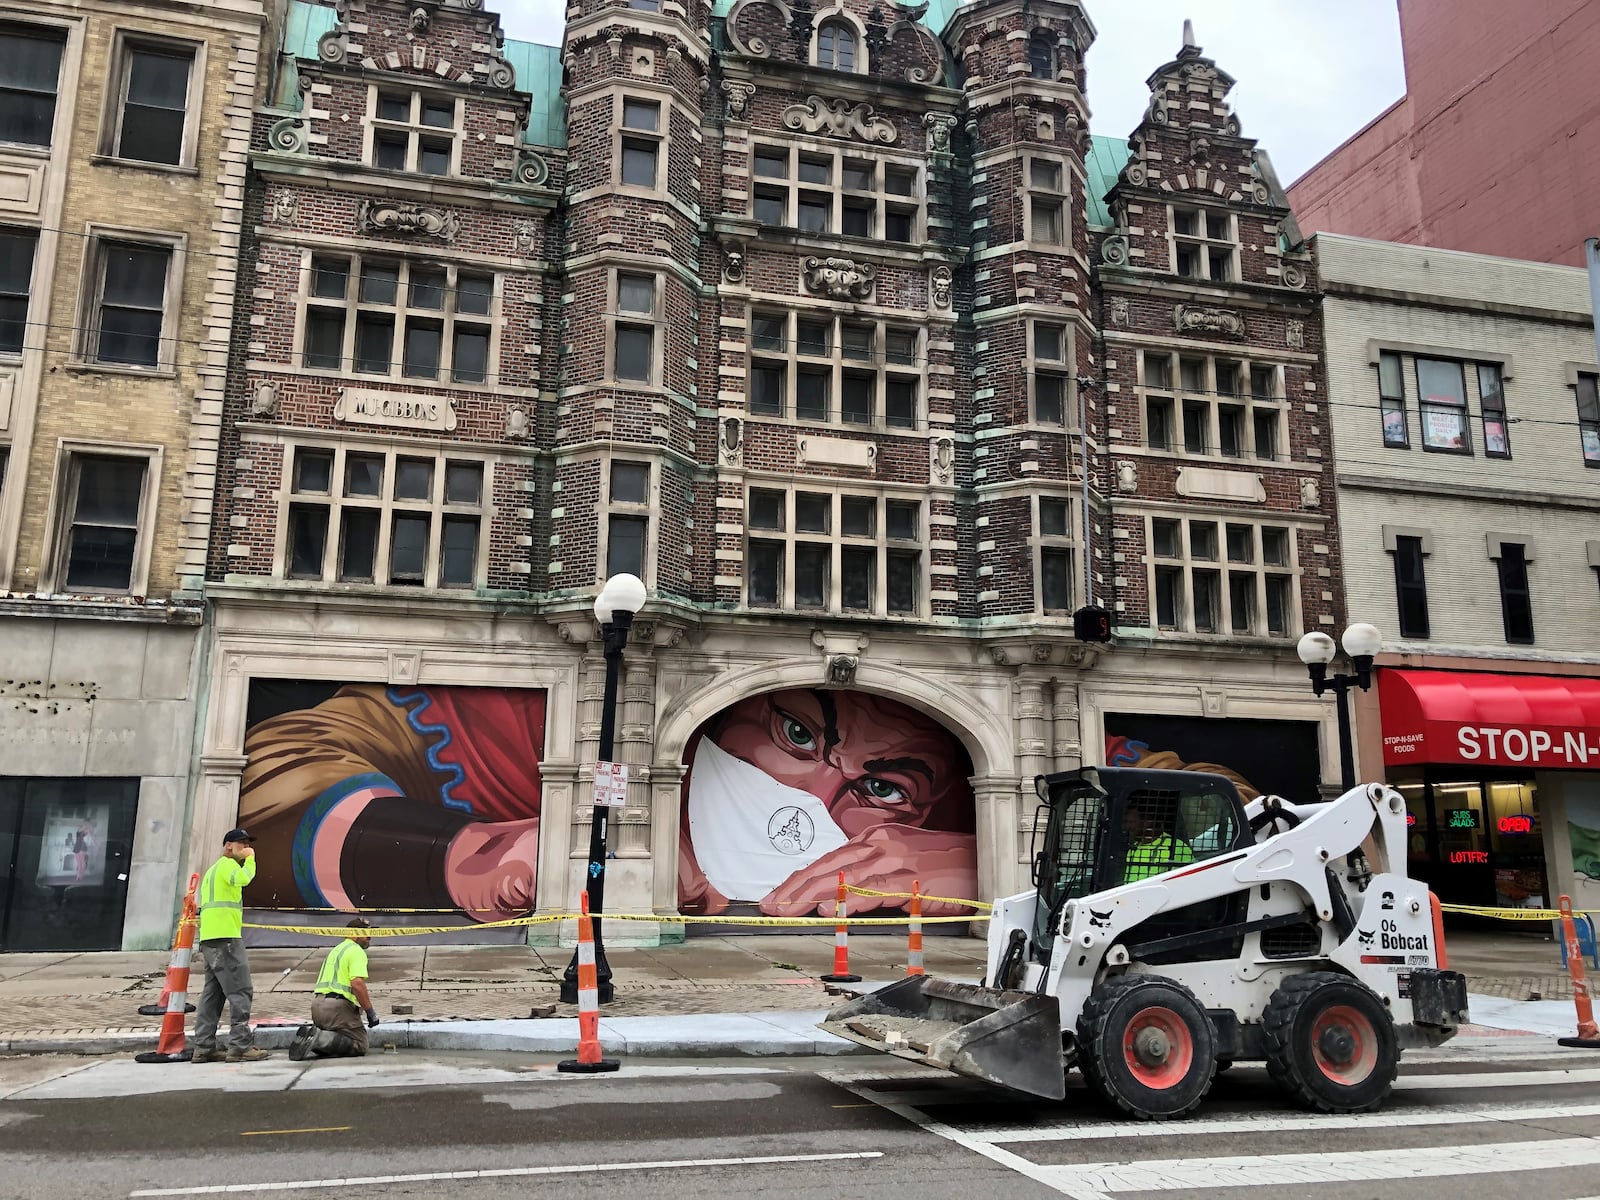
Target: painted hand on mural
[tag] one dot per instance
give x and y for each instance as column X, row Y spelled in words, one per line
column 491, row 869
column 888, row 858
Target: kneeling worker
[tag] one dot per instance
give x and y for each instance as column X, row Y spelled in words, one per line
column 341, row 997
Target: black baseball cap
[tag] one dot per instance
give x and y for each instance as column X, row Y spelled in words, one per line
column 237, row 835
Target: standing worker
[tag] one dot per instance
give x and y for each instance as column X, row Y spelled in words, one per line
column 222, row 948
column 340, row 999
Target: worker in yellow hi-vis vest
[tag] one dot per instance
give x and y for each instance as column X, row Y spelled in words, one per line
column 222, row 949
column 340, row 999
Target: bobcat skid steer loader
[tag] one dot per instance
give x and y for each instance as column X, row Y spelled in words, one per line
column 1174, row 931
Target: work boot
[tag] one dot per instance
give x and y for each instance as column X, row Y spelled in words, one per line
column 254, row 1054
column 300, row 1048
column 207, row 1056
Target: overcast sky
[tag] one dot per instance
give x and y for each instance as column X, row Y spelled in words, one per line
column 1310, row 72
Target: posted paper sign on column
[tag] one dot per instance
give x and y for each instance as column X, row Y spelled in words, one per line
column 611, row 784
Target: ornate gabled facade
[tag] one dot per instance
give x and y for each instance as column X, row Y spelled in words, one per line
column 815, row 317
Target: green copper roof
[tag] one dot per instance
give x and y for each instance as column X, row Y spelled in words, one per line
column 538, row 71
column 1107, row 156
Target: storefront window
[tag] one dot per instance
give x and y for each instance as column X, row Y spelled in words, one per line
column 1516, row 837
column 65, row 849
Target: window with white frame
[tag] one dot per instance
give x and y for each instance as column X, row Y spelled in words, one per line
column 837, row 48
column 1049, row 202
column 154, row 118
column 30, row 78
column 132, row 287
column 1212, row 405
column 1587, row 389
column 397, row 319
column 636, row 329
column 833, row 552
column 1042, row 56
column 1052, row 373
column 842, row 370
column 17, row 247
column 628, row 518
column 105, row 510
column 387, row 516
column 1444, row 392
column 1054, row 537
column 640, row 124
column 1222, row 577
column 414, row 131
column 1204, row 245
column 835, row 191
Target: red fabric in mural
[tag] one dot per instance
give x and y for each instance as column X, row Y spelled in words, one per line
column 497, row 738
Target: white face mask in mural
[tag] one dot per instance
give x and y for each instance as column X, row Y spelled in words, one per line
column 749, row 831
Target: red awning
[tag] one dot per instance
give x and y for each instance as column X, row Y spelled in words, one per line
column 1490, row 720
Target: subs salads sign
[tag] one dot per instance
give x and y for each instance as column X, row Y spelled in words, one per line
column 1490, row 720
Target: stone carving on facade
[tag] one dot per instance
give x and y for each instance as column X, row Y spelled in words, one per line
column 334, row 46
column 384, row 216
column 755, row 47
column 1294, row 335
column 420, row 20
column 842, row 670
column 1293, row 275
column 292, row 135
column 1119, row 310
column 1127, row 476
column 840, row 278
column 839, row 118
column 517, row 424
column 730, row 445
column 1310, row 493
column 284, row 209
column 1189, row 318
column 942, row 285
column 739, row 97
column 524, row 236
column 1041, row 654
column 733, row 263
column 942, row 461
column 264, row 403
column 531, row 168
column 1114, row 251
column 998, row 653
column 939, row 127
column 500, row 71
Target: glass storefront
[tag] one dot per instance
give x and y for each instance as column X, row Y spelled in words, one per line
column 1475, row 836
column 65, row 850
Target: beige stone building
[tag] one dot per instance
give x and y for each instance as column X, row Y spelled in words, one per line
column 124, row 131
column 1467, row 441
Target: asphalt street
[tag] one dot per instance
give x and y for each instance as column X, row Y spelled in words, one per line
column 1502, row 1116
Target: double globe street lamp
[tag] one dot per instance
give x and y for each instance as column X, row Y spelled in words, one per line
column 1361, row 643
column 620, row 598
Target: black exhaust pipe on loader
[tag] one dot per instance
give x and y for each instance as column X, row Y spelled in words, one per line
column 1012, row 1039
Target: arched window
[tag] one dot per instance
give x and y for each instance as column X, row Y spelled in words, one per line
column 836, row 46
column 1042, row 56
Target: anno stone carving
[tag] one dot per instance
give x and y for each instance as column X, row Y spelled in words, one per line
column 1293, row 275
column 839, row 118
column 842, row 670
column 731, row 443
column 1294, row 335
column 942, row 281
column 284, row 209
column 1119, row 310
column 739, row 97
column 1127, row 476
column 265, row 401
column 942, row 461
column 291, row 135
column 1310, row 494
column 840, row 278
column 733, row 264
column 531, row 168
column 379, row 216
column 525, row 235
column 1189, row 318
column 1114, row 251
column 939, row 126
column 517, row 425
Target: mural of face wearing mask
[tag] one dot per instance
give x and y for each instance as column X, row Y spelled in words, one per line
column 787, row 789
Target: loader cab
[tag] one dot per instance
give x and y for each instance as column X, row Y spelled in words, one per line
column 1101, row 827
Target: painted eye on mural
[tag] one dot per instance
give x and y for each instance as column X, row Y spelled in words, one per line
column 795, row 731
column 882, row 793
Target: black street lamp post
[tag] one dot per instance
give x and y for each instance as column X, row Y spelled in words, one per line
column 1361, row 644
column 619, row 600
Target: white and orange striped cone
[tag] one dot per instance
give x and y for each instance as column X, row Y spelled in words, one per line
column 159, row 1008
column 589, row 1060
column 841, row 943
column 914, row 945
column 171, row 1047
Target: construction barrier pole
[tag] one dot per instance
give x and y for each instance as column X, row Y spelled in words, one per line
column 841, row 941
column 1588, row 1033
column 914, row 949
column 171, row 1048
column 589, row 1060
column 159, row 1008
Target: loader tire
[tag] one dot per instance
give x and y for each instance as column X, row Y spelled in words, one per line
column 1330, row 1043
column 1147, row 1047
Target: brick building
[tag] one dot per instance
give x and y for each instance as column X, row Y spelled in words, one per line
column 826, row 321
column 124, row 129
column 1478, row 73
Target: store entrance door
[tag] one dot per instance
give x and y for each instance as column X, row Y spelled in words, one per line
column 65, row 850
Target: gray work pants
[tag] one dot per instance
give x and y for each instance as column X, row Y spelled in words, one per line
column 227, row 978
column 341, row 1032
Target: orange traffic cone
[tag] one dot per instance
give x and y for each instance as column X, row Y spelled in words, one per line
column 914, row 950
column 159, row 1008
column 1588, row 1034
column 589, row 1061
column 171, row 1046
column 841, row 944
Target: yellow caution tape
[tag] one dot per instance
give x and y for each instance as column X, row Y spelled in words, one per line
column 1512, row 914
column 927, row 899
column 342, row 931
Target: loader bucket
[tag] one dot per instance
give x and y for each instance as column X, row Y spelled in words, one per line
column 1008, row 1038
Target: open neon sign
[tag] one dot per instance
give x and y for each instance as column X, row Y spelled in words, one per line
column 1520, row 823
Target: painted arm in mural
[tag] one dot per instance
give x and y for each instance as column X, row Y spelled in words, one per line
column 346, row 793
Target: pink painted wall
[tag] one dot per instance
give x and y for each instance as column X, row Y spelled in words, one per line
column 1496, row 147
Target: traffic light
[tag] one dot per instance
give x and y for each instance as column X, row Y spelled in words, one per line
column 1092, row 625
